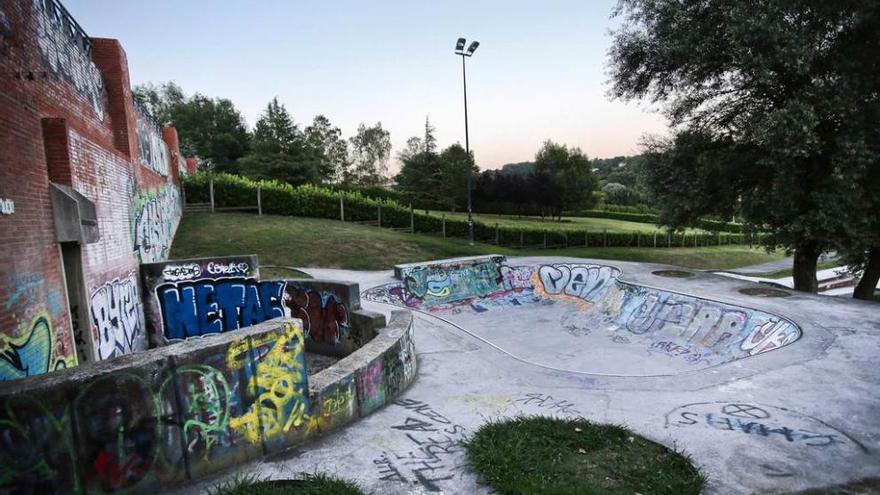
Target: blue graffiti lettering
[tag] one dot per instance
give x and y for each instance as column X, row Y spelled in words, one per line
column 191, row 309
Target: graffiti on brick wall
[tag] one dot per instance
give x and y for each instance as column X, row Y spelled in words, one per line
column 66, row 51
column 155, row 218
column 32, row 352
column 117, row 318
column 697, row 330
column 152, row 150
column 132, row 429
column 324, row 315
column 7, row 206
column 202, row 307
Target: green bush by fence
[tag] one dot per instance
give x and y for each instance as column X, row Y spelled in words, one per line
column 322, row 202
column 705, row 224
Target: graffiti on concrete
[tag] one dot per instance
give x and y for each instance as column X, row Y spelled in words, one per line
column 65, row 49
column 117, row 318
column 7, row 206
column 202, row 307
column 548, row 404
column 184, row 271
column 137, row 428
column 280, row 385
column 434, row 448
column 580, row 284
column 444, row 283
column 324, row 315
column 155, row 218
column 699, row 330
column 760, row 421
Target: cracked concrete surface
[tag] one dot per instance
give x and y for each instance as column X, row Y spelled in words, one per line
column 802, row 416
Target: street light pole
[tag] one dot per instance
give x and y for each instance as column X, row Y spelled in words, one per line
column 459, row 50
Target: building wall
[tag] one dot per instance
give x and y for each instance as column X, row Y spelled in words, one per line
column 67, row 117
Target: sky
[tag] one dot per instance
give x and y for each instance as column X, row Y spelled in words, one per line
column 540, row 72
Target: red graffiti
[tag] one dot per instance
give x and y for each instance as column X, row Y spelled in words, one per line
column 114, row 475
column 324, row 317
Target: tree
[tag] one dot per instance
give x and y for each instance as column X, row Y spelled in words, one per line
column 275, row 131
column 329, row 148
column 773, row 105
column 413, row 147
column 370, row 149
column 211, row 129
column 419, row 179
column 571, row 170
column 430, row 141
column 278, row 166
column 455, row 165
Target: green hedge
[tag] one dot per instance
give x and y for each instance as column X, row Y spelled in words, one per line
column 322, row 202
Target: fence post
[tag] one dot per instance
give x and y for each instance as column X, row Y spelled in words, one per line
column 695, row 239
column 638, row 239
column 379, row 218
column 565, row 238
column 586, row 238
column 719, row 238
column 520, row 239
column 211, row 191
column 605, row 238
column 497, row 235
column 341, row 209
column 668, row 240
column 655, row 238
column 412, row 220
column 444, row 226
column 545, row 239
column 259, row 201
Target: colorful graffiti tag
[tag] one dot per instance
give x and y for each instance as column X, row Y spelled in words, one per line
column 30, row 354
column 152, row 150
column 324, row 315
column 195, row 308
column 63, row 47
column 117, row 318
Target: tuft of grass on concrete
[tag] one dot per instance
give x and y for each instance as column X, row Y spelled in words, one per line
column 311, row 242
column 551, row 456
column 310, row 484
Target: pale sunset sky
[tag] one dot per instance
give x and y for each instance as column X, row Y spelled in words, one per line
column 540, row 71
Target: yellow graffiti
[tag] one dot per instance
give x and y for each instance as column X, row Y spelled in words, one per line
column 280, row 406
column 35, row 350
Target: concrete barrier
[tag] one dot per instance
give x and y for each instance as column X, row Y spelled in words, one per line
column 142, row 422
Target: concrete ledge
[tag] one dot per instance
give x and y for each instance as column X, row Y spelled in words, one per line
column 143, row 422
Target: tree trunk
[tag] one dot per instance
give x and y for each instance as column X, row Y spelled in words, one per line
column 865, row 289
column 804, row 270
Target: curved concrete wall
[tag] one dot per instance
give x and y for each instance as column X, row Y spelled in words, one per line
column 698, row 330
column 145, row 421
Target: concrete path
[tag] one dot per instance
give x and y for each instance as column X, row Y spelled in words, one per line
column 775, row 266
column 803, row 416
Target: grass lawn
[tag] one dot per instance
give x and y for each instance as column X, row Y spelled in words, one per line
column 822, row 265
column 578, row 224
column 551, row 456
column 311, row 484
column 310, row 242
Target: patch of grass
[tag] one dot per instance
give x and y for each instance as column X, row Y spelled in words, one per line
column 528, row 455
column 823, row 265
column 761, row 292
column 673, row 273
column 578, row 224
column 295, row 241
column 310, row 484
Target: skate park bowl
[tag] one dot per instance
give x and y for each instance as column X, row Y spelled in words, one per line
column 583, row 318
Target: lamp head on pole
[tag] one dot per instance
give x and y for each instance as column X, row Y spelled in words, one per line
column 459, row 46
column 471, row 49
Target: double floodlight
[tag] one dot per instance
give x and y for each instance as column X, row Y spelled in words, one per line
column 459, row 47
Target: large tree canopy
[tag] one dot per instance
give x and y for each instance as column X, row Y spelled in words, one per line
column 775, row 110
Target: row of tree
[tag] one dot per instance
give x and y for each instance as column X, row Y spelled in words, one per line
column 559, row 179
column 214, row 130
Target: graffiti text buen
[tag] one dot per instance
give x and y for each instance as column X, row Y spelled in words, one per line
column 203, row 307
column 116, row 316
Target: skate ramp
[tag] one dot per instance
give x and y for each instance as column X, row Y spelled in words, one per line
column 582, row 317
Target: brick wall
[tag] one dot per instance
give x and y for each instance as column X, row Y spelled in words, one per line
column 67, row 116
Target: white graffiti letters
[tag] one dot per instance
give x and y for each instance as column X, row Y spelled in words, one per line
column 116, row 315
column 154, row 224
column 583, row 281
